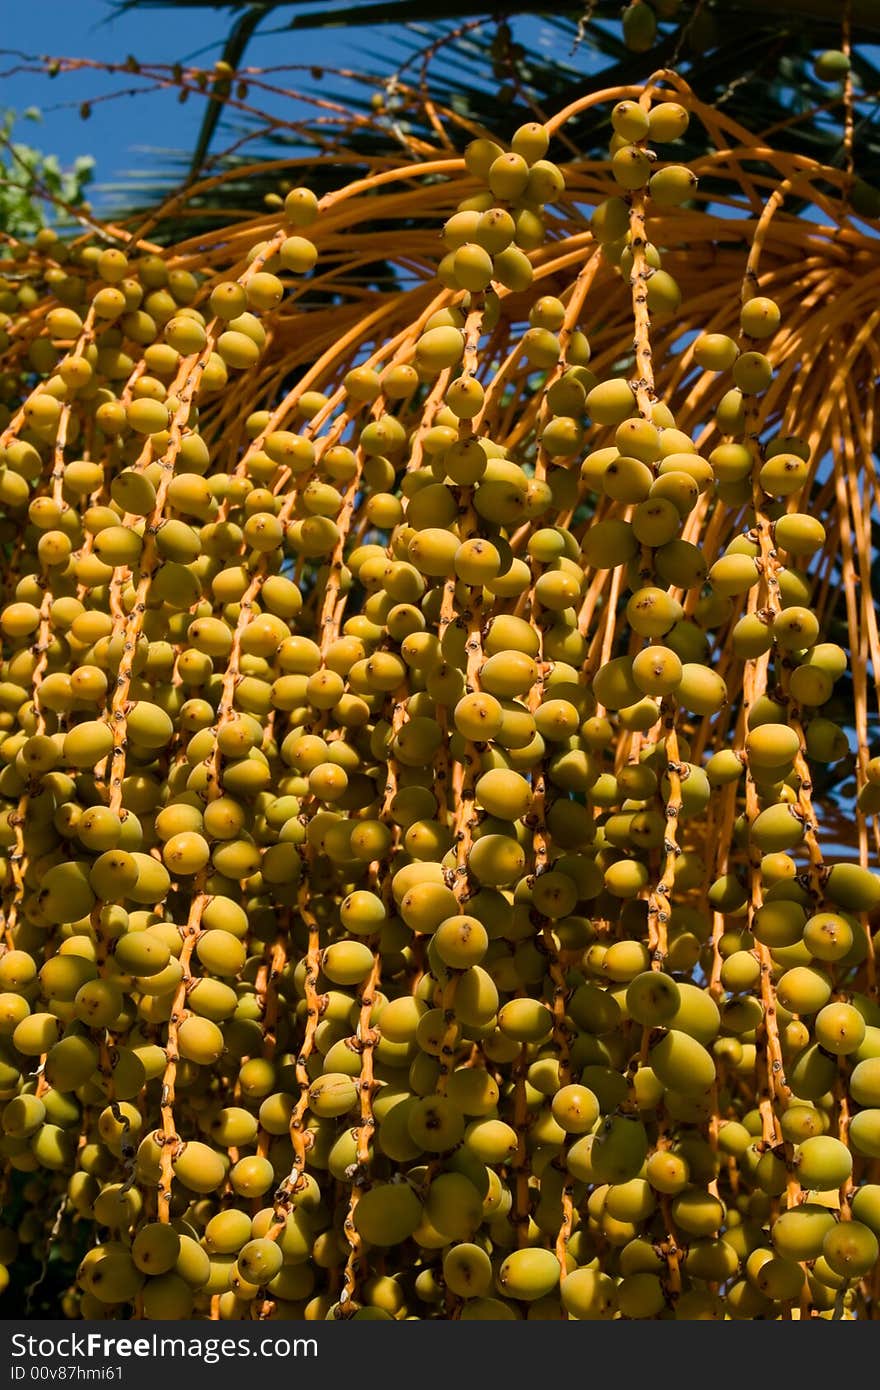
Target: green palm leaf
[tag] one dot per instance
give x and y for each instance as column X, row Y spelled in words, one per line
column 757, row 62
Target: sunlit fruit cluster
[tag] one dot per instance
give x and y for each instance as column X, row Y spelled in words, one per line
column 414, row 904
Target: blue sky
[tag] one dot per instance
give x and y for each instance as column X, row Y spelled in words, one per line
column 121, row 134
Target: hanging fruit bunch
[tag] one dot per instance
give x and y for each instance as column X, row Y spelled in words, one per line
column 426, row 891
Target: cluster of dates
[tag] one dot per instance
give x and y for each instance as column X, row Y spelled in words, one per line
column 360, row 953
